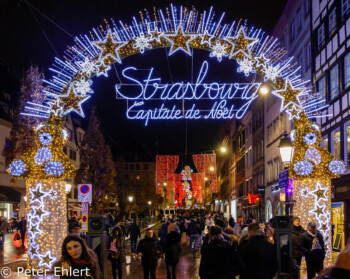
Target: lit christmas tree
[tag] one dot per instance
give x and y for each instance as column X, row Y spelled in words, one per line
column 96, row 163
column 22, row 133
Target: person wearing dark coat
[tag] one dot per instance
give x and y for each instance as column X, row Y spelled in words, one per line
column 312, row 245
column 231, row 222
column 135, row 233
column 297, row 230
column 22, row 227
column 220, row 260
column 172, row 253
column 194, row 232
column 116, row 251
column 150, row 250
column 259, row 256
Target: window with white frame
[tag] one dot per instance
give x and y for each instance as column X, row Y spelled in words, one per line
column 320, row 36
column 345, row 7
column 336, row 144
column 332, row 22
column 321, row 87
column 347, row 70
column 334, row 82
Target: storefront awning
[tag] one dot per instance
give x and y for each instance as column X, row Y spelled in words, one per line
column 7, row 194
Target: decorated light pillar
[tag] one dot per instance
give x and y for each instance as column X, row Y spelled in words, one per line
column 313, row 167
column 45, row 169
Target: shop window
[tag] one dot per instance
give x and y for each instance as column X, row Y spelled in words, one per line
column 345, row 8
column 348, row 144
column 336, row 144
column 338, row 241
column 320, row 37
column 332, row 21
column 334, row 82
column 72, row 155
column 321, row 87
column 324, row 142
column 347, row 70
column 268, row 211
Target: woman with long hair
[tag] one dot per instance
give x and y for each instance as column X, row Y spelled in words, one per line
column 117, row 251
column 77, row 255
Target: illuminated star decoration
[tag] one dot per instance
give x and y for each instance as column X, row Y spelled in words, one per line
column 141, row 43
column 261, row 61
column 320, row 193
column 102, row 69
column 318, row 210
column 180, row 41
column 323, row 227
column 109, row 48
column 37, row 194
column 40, row 212
column 46, row 259
column 72, row 102
column 241, row 44
column 293, row 111
column 56, row 107
column 33, row 229
column 87, row 67
column 289, row 95
column 155, row 35
column 33, row 251
column 205, row 38
column 304, row 192
column 218, row 50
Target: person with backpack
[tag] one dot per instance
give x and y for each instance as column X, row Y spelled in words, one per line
column 219, row 258
column 172, row 253
column 22, row 227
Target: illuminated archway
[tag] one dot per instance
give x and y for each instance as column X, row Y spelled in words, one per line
column 46, row 167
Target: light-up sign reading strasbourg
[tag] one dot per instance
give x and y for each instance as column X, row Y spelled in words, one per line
column 151, row 99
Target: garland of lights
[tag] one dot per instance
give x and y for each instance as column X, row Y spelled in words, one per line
column 179, row 30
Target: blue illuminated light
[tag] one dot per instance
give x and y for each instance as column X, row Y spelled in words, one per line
column 45, row 138
column 17, row 168
column 228, row 100
column 54, row 168
column 42, row 155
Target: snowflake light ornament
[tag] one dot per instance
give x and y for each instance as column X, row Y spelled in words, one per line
column 270, row 72
column 87, row 67
column 245, row 66
column 219, row 50
column 142, row 43
column 82, row 87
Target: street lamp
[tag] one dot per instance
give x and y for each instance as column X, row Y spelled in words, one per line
column 211, row 168
column 223, row 149
column 25, row 198
column 130, row 198
column 149, row 203
column 68, row 189
column 264, row 89
column 286, row 150
column 150, row 212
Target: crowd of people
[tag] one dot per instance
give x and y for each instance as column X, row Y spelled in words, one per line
column 226, row 248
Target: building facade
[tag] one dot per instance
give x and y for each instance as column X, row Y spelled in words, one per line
column 331, row 75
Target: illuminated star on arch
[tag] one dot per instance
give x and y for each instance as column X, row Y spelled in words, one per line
column 289, row 95
column 56, row 107
column 206, row 38
column 155, row 35
column 179, row 41
column 71, row 102
column 293, row 111
column 102, row 69
column 241, row 44
column 320, row 193
column 261, row 61
column 109, row 47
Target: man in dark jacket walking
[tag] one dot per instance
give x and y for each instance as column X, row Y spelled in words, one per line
column 134, row 232
column 312, row 245
column 150, row 249
column 297, row 230
column 219, row 260
column 172, row 253
column 259, row 256
column 194, row 231
column 22, row 227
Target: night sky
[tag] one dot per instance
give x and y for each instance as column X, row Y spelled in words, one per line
column 27, row 36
